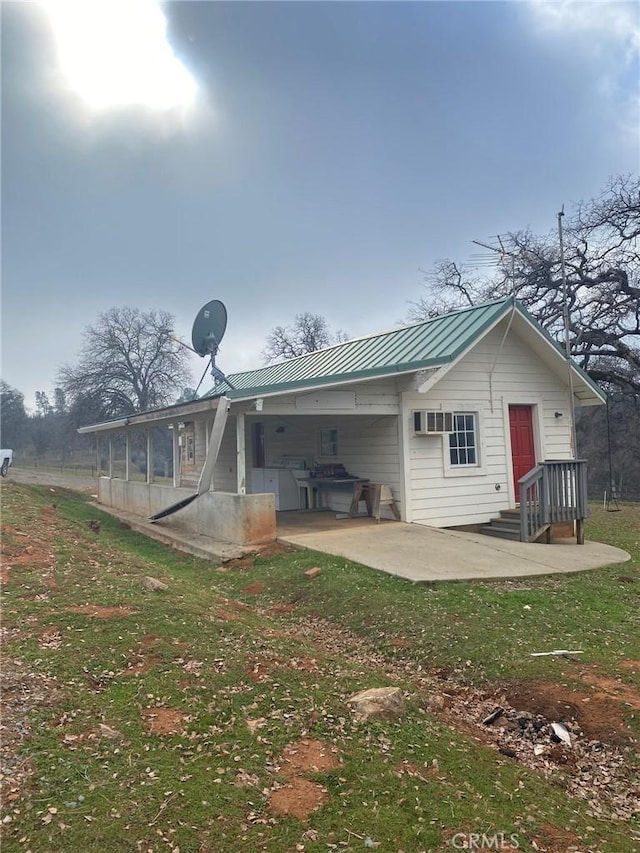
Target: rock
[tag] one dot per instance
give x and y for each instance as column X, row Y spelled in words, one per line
column 378, row 702
column 153, row 584
column 439, row 701
column 108, row 732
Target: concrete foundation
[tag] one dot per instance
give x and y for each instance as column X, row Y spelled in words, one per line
column 241, row 519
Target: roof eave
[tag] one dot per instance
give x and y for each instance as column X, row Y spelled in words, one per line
column 169, row 414
column 310, row 384
column 594, row 394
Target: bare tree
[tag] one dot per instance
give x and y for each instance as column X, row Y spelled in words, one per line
column 129, row 363
column 308, row 333
column 602, row 260
column 449, row 286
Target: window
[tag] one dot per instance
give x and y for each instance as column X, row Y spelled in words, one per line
column 463, row 441
column 328, row 442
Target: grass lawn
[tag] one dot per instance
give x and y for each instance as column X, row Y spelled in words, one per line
column 212, row 716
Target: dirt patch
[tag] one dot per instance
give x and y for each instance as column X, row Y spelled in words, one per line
column 143, row 663
column 231, row 610
column 298, row 798
column 611, row 687
column 309, row 756
column 226, row 615
column 255, row 588
column 281, row 608
column 14, row 542
column 555, row 839
column 400, row 643
column 164, row 721
column 96, row 611
column 259, row 669
column 600, row 715
column 284, row 635
column 633, row 665
column 275, row 549
column 240, row 564
column 31, row 550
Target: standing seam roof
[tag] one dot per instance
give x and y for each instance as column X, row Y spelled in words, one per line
column 431, row 343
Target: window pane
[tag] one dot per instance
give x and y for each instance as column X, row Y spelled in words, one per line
column 462, row 442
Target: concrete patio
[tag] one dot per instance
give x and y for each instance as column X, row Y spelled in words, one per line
column 423, row 554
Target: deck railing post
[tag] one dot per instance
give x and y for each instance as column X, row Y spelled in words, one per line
column 553, row 491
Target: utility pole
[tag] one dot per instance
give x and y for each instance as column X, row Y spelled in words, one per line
column 567, row 345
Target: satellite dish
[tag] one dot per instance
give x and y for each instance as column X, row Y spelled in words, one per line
column 206, row 334
column 209, row 327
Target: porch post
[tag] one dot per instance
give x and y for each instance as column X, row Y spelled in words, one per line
column 241, row 462
column 149, row 457
column 176, row 455
column 110, row 456
column 98, row 455
column 127, row 455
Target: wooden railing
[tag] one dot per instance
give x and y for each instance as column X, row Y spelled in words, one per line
column 552, row 492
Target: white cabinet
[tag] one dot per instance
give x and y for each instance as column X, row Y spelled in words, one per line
column 279, row 482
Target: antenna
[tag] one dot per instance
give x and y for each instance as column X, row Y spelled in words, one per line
column 208, row 330
column 491, row 260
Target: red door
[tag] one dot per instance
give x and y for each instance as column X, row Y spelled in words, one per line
column 523, row 454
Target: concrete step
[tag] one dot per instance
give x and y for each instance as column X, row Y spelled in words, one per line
column 501, row 531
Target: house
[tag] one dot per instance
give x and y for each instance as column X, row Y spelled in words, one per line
column 441, row 420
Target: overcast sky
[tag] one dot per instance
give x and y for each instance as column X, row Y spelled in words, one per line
column 331, row 152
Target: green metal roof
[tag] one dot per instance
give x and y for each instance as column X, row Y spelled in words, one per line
column 431, row 343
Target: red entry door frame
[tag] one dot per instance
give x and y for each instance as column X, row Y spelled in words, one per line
column 523, row 451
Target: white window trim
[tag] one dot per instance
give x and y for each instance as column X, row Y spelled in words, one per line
column 478, row 469
column 322, row 455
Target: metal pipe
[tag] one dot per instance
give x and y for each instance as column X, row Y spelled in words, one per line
column 567, row 345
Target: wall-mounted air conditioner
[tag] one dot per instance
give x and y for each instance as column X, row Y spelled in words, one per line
column 432, row 423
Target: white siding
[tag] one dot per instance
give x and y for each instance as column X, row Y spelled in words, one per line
column 486, row 381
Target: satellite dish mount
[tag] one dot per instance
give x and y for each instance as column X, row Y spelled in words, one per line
column 206, row 335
